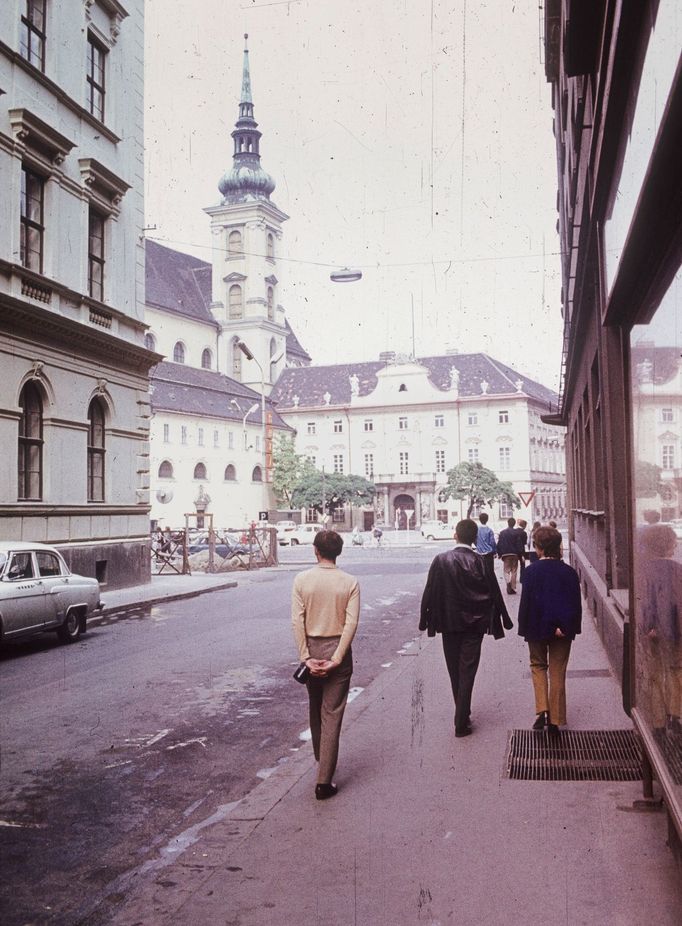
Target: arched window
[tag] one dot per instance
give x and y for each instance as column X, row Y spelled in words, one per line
column 96, row 451
column 200, row 471
column 271, row 246
column 403, row 388
column 234, row 243
column 150, row 341
column 179, row 352
column 207, row 359
column 230, row 473
column 236, row 361
column 166, row 470
column 236, row 309
column 30, row 443
column 271, row 304
column 257, row 474
column 273, row 364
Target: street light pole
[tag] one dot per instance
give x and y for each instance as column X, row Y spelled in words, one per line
column 249, row 356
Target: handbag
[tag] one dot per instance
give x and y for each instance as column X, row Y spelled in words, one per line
column 302, row 673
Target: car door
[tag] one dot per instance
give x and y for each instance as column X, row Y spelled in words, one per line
column 55, row 578
column 25, row 606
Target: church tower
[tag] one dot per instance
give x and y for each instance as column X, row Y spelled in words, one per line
column 247, row 229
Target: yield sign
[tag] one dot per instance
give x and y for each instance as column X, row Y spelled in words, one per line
column 526, row 497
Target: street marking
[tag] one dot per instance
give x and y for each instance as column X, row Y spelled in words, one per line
column 201, row 740
column 386, row 665
column 119, row 764
column 145, row 740
column 22, row 826
column 181, row 842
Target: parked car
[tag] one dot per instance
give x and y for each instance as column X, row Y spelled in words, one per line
column 283, row 529
column 226, row 545
column 39, row 593
column 304, row 533
column 437, row 530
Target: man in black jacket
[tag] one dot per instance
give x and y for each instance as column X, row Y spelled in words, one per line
column 510, row 549
column 462, row 603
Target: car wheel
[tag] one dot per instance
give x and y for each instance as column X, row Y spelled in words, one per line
column 430, row 537
column 294, row 542
column 71, row 628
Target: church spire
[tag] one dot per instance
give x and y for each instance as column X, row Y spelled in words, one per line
column 246, row 179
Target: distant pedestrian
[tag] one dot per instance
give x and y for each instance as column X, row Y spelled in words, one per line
column 550, row 616
column 554, row 525
column 510, row 547
column 532, row 556
column 485, row 544
column 521, row 525
column 462, row 603
column 325, row 608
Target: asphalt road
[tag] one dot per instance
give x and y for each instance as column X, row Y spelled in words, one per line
column 122, row 745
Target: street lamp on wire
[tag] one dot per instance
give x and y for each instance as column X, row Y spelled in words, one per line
column 249, row 412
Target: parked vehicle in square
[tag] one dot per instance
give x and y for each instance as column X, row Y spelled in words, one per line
column 437, row 530
column 39, row 593
column 304, row 533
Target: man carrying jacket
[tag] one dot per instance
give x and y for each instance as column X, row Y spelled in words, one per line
column 462, row 603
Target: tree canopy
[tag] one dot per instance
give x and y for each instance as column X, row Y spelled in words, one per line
column 473, row 483
column 337, row 489
column 648, row 481
column 288, row 469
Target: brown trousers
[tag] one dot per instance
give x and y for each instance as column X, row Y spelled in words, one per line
column 327, row 699
column 548, row 662
column 510, row 566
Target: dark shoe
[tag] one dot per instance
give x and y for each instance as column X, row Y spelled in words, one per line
column 464, row 731
column 509, row 588
column 512, row 591
column 322, row 792
column 540, row 721
column 552, row 729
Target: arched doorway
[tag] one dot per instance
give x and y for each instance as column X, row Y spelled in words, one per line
column 401, row 505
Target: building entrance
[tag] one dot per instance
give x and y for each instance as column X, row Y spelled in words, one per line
column 402, row 504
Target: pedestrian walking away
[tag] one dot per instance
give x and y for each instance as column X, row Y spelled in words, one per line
column 510, row 548
column 462, row 603
column 521, row 526
column 550, row 615
column 325, row 608
column 485, row 544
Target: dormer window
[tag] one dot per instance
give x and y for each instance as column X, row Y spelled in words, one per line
column 403, row 388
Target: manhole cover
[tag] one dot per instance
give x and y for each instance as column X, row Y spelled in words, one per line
column 574, row 755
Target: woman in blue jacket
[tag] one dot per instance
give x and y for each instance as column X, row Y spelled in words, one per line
column 550, row 614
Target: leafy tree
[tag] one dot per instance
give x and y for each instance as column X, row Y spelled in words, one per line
column 648, row 480
column 288, row 469
column 336, row 488
column 473, row 483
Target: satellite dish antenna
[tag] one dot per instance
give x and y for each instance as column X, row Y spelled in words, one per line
column 345, row 275
column 164, row 496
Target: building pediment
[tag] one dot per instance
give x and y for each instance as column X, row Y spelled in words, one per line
column 234, row 277
column 272, row 280
column 399, row 384
column 38, row 136
column 368, row 445
column 668, row 436
column 439, row 441
column 106, row 189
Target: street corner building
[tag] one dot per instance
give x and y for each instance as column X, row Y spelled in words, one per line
column 616, row 81
column 74, row 419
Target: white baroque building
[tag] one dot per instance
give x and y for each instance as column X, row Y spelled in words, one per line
column 74, row 403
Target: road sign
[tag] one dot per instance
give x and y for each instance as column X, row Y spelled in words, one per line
column 526, row 497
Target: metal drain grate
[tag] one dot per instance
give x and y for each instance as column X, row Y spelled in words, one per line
column 574, row 755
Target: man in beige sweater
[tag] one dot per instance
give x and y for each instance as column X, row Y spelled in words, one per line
column 325, row 607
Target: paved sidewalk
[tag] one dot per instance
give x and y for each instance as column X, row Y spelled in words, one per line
column 425, row 828
column 162, row 588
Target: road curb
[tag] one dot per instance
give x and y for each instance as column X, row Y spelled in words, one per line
column 158, row 599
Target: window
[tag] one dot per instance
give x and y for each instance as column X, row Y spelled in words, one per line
column 200, row 437
column 668, row 456
column 472, row 418
column 403, row 462
column 48, row 564
column 216, row 439
column 338, row 515
column 166, row 470
column 32, row 35
column 503, row 416
column 274, row 362
column 95, row 78
column 257, row 443
column 472, row 454
column 183, row 434
column 667, row 414
column 402, row 423
column 505, row 458
column 270, row 245
column 338, row 426
column 505, row 511
column 402, row 388
column 311, row 427
column 369, row 465
column 369, row 424
column 439, row 421
column 230, row 473
column 166, row 433
column 179, row 352
column 312, row 460
column 271, row 304
column 206, row 359
column 32, row 226
column 230, row 440
column 257, row 474
column 200, row 471
column 234, row 244
column 96, row 255
column 96, row 451
column 150, row 341
column 235, row 308
column 440, row 461
column 21, row 566
column 236, row 361
column 338, row 462
column 30, row 443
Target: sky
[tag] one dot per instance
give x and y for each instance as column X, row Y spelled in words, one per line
column 409, row 138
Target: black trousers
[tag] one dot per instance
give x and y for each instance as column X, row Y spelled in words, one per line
column 489, row 564
column 462, row 655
